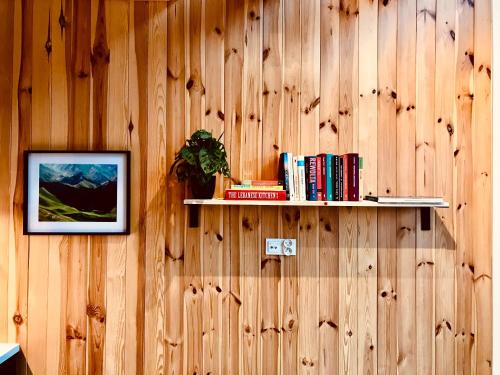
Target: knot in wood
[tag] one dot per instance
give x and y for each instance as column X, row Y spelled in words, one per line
column 94, row 311
column 17, row 319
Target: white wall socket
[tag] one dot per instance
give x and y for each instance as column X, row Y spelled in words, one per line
column 281, row 246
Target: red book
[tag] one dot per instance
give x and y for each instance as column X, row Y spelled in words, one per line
column 351, row 177
column 345, row 173
column 353, row 161
column 319, row 177
column 258, row 195
column 323, row 177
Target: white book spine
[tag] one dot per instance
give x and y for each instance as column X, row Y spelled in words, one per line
column 296, row 179
column 291, row 178
column 302, row 177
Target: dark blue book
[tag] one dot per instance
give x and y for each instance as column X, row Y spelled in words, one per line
column 336, row 177
column 341, row 178
column 311, row 179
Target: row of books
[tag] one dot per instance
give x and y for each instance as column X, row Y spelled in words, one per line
column 325, row 177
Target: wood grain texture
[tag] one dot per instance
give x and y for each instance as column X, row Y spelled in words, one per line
column 405, row 173
column 174, row 248
column 329, row 219
column 19, row 310
column 58, row 245
column 465, row 333
column 308, row 258
column 482, row 186
column 6, row 84
column 445, row 259
column 233, row 112
column 424, row 176
column 40, row 138
column 387, row 180
column 348, row 142
column 213, row 235
column 290, row 216
column 118, row 22
column 405, row 83
column 250, row 217
column 98, row 245
column 193, row 292
column 272, row 54
column 367, row 219
column 154, row 324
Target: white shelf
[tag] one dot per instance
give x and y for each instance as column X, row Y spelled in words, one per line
column 223, row 202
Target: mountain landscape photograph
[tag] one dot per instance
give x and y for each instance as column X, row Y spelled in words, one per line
column 77, row 192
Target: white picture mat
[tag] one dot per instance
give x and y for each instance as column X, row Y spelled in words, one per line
column 34, row 161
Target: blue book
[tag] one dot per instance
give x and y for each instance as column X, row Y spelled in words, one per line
column 329, row 178
column 311, row 188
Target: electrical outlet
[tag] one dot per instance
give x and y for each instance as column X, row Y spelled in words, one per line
column 281, row 246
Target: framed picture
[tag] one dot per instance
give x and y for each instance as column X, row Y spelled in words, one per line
column 82, row 192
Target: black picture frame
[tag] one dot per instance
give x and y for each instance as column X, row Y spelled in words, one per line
column 77, row 153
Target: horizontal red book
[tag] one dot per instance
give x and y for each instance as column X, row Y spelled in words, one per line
column 257, row 195
column 260, row 182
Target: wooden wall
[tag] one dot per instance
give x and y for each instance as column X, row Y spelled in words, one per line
column 406, row 83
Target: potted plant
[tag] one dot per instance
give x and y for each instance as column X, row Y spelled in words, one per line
column 198, row 161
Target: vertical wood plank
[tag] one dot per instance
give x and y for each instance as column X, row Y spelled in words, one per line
column 424, row 175
column 482, row 185
column 78, row 138
column 139, row 80
column 387, row 256
column 233, row 109
column 445, row 260
column 6, row 83
column 58, row 245
column 117, row 22
column 329, row 219
column 154, row 336
column 96, row 306
column 174, row 269
column 308, row 258
column 367, row 218
column 405, row 171
column 24, row 114
column 213, row 216
column 272, row 53
column 290, row 216
column 462, row 214
column 40, row 139
column 193, row 300
column 250, row 161
column 14, row 144
column 134, row 270
column 57, row 253
column 348, row 142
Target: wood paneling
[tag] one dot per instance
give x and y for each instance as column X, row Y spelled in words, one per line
column 406, row 83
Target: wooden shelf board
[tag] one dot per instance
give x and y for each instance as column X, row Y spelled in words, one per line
column 223, row 202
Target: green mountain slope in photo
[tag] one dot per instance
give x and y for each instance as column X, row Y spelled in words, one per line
column 52, row 209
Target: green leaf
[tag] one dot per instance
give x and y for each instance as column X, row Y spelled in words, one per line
column 188, row 155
